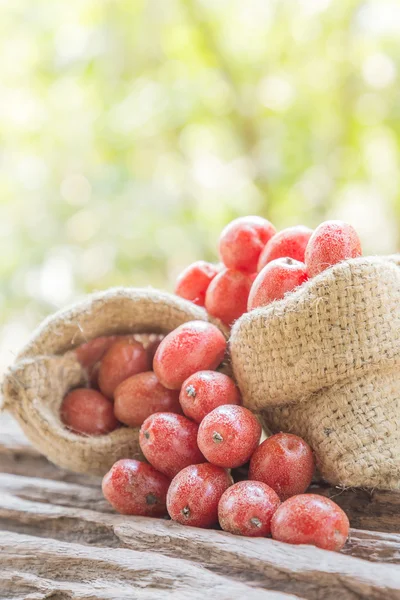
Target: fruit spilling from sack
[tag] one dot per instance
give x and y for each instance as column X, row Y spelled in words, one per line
column 260, row 265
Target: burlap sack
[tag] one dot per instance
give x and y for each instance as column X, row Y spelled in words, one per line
column 324, row 363
column 46, row 369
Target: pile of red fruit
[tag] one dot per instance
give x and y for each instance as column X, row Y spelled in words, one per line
column 193, row 430
column 261, row 265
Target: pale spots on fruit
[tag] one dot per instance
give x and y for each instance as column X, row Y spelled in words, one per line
column 186, row 512
column 151, row 499
column 191, row 391
column 255, row 522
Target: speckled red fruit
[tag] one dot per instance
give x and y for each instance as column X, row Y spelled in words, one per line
column 194, row 494
column 151, row 347
column 125, row 358
column 191, row 347
column 142, row 395
column 193, row 282
column 247, row 507
column 311, row 519
column 276, row 279
column 285, row 462
column 91, row 352
column 88, row 412
column 227, row 295
column 169, row 442
column 229, row 435
column 331, row 243
column 204, row 391
column 290, row 243
column 242, row 241
column 136, row 488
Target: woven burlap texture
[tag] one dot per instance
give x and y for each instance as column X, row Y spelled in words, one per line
column 324, row 363
column 47, row 368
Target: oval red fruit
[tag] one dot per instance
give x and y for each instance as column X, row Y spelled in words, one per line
column 169, row 442
column 247, row 507
column 277, row 278
column 142, row 395
column 290, row 242
column 227, row 295
column 88, row 412
column 285, row 462
column 136, row 488
column 193, row 282
column 229, row 435
column 125, row 358
column 191, row 347
column 204, row 391
column 331, row 243
column 311, row 519
column 194, row 494
column 242, row 240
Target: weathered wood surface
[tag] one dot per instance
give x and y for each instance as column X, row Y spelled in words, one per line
column 59, row 539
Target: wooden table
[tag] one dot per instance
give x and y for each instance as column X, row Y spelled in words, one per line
column 60, row 540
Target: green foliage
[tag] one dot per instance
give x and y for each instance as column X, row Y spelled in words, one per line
column 131, row 132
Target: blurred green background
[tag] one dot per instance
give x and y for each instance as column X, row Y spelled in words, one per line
column 132, row 131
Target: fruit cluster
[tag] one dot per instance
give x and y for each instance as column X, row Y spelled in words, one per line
column 194, row 433
column 261, row 265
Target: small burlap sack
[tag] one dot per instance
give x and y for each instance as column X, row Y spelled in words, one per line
column 323, row 363
column 47, row 368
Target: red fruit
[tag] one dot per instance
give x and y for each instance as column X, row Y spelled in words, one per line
column 194, row 494
column 169, row 442
column 290, row 242
column 126, row 357
column 331, row 242
column 88, row 412
column 241, row 242
column 136, row 488
column 142, row 395
column 275, row 280
column 227, row 295
column 191, row 347
column 284, row 462
column 229, row 435
column 247, row 507
column 94, row 376
column 204, row 391
column 311, row 519
column 91, row 352
column 193, row 282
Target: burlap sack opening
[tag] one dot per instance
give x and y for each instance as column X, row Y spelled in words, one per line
column 324, row 363
column 45, row 370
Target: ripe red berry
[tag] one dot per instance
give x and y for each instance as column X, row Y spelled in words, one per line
column 136, row 488
column 204, row 391
column 88, row 412
column 331, row 243
column 227, row 295
column 311, row 519
column 229, row 435
column 142, row 395
column 191, row 347
column 275, row 280
column 284, row 462
column 193, row 282
column 194, row 494
column 290, row 242
column 169, row 442
column 242, row 240
column 91, row 352
column 247, row 507
column 126, row 357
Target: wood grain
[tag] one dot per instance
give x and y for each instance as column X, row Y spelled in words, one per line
column 59, row 539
